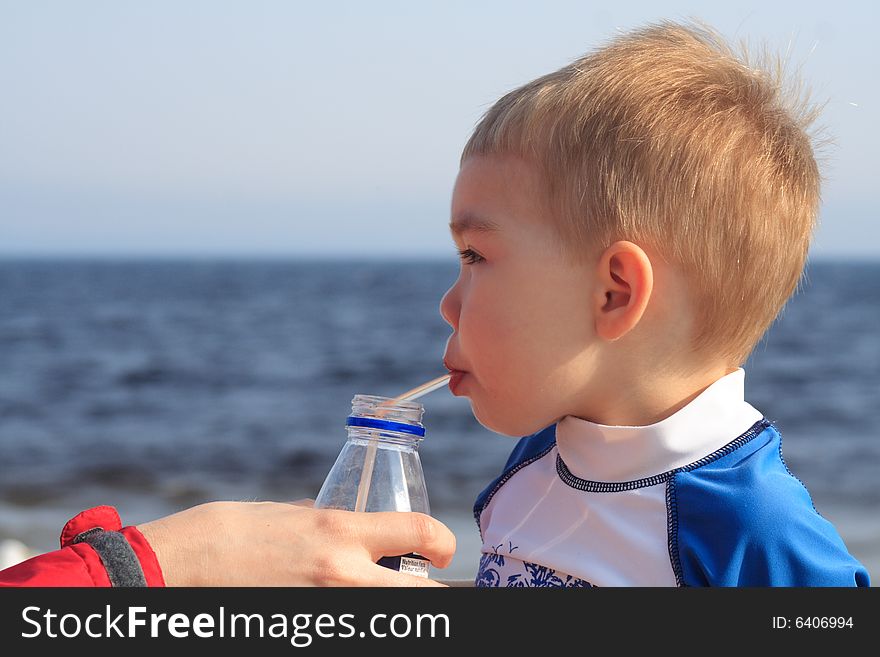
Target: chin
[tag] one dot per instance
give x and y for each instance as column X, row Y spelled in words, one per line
column 506, row 424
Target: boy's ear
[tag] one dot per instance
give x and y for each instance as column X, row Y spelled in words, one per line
column 625, row 280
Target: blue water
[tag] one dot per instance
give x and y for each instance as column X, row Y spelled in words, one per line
column 155, row 385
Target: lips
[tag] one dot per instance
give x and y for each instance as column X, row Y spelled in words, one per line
column 456, row 376
column 452, row 369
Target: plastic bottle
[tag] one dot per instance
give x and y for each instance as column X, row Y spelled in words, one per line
column 378, row 468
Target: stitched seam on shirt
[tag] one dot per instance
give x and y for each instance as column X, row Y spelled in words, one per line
column 672, row 531
column 616, row 487
column 507, row 476
column 792, row 475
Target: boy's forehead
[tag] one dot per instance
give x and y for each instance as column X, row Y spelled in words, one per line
column 466, row 221
column 494, row 194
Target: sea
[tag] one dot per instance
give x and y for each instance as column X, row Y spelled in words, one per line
column 157, row 384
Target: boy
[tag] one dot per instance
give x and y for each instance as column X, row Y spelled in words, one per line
column 630, row 226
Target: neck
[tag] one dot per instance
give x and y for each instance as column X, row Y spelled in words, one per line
column 623, row 400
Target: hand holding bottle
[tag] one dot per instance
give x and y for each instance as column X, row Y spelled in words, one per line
column 292, row 544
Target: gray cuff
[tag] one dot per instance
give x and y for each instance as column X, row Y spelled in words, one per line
column 117, row 555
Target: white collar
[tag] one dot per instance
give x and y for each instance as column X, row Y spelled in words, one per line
column 600, row 452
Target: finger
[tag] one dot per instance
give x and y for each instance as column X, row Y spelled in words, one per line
column 390, row 533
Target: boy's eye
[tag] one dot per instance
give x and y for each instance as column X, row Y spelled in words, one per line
column 469, row 256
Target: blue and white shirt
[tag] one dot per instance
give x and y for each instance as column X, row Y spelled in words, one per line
column 701, row 498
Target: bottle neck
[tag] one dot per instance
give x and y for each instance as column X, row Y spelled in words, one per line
column 386, row 420
column 387, row 408
column 384, row 438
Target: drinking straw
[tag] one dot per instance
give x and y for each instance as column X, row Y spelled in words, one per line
column 423, row 389
column 370, row 456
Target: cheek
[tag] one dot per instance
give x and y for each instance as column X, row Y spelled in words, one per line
column 515, row 336
column 490, row 320
column 505, row 337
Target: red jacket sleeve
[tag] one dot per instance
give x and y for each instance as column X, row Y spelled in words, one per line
column 77, row 564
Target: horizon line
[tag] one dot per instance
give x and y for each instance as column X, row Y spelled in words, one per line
column 350, row 257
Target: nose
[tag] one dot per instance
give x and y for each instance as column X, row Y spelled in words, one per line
column 450, row 306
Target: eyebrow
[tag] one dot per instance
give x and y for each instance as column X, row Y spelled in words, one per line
column 466, row 222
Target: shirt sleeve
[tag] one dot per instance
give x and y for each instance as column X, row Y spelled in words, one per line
column 747, row 521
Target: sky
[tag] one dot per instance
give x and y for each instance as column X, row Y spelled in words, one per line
column 284, row 128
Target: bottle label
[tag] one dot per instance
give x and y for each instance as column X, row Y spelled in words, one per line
column 411, row 564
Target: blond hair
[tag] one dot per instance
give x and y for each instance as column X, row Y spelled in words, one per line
column 666, row 138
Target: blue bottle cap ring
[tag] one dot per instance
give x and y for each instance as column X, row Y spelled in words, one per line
column 373, row 423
